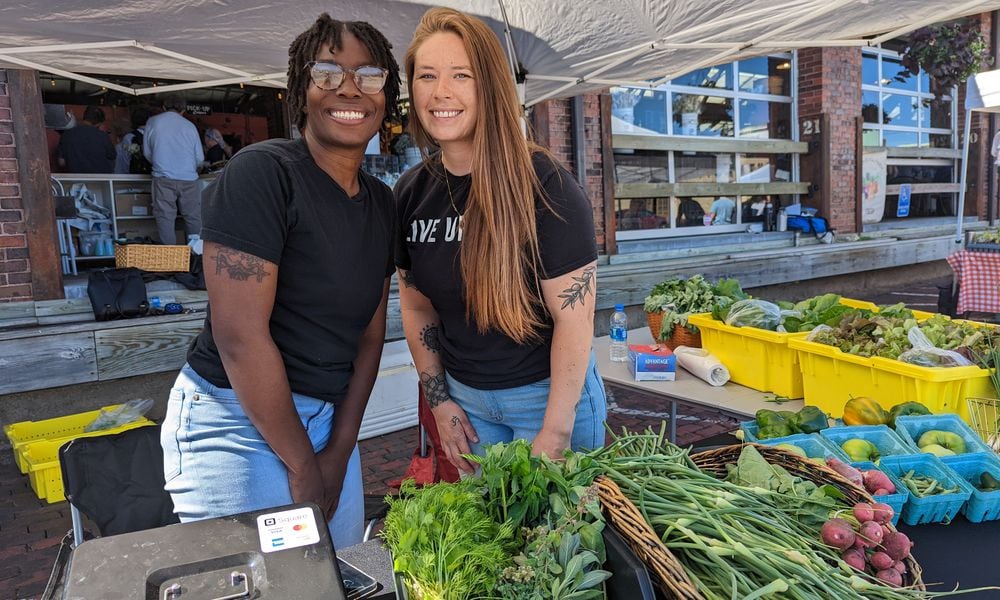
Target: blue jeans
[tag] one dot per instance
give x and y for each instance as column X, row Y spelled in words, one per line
column 217, row 464
column 517, row 413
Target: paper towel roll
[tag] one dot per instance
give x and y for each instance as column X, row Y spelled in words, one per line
column 700, row 363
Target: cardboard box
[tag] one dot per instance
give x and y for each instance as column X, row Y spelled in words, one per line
column 133, row 205
column 652, row 363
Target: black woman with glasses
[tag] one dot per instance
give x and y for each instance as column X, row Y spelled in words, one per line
column 298, row 253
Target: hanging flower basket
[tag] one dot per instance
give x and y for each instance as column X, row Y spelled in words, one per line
column 949, row 53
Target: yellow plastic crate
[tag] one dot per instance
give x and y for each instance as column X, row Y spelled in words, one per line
column 757, row 358
column 42, row 460
column 22, row 434
column 830, row 377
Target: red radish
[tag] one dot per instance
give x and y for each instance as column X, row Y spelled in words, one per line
column 883, row 512
column 881, row 560
column 882, row 492
column 863, row 512
column 871, row 533
column 837, row 533
column 890, row 576
column 877, row 480
column 886, row 530
column 899, row 566
column 855, row 558
column 850, row 473
column 897, row 545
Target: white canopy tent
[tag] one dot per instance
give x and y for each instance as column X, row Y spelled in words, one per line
column 563, row 47
column 983, row 95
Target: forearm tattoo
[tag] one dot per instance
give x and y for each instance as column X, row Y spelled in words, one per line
column 408, row 279
column 429, row 337
column 239, row 265
column 577, row 292
column 435, row 388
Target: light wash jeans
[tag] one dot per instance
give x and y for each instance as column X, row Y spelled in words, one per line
column 516, row 413
column 217, row 464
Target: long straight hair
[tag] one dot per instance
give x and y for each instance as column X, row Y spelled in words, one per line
column 499, row 256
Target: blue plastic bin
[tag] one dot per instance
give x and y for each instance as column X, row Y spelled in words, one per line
column 912, row 427
column 939, row 508
column 981, row 506
column 897, row 500
column 885, row 439
column 813, row 445
column 750, row 430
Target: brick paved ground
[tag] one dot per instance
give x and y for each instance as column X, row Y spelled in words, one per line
column 30, row 531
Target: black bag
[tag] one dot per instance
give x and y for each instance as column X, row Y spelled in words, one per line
column 138, row 165
column 117, row 294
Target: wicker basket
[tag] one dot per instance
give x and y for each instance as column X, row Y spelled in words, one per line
column 150, row 257
column 681, row 336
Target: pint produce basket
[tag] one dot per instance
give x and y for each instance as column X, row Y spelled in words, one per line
column 681, row 336
column 910, row 428
column 937, row 508
column 885, row 439
column 153, row 257
column 982, row 505
column 814, row 445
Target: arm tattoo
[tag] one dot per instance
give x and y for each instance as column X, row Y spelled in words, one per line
column 435, row 388
column 408, row 279
column 579, row 290
column 429, row 338
column 239, row 265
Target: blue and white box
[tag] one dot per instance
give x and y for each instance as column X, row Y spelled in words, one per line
column 652, row 363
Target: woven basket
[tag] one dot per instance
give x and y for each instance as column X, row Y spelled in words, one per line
column 714, row 462
column 681, row 336
column 623, row 515
column 150, row 257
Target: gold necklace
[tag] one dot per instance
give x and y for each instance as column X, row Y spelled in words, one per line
column 448, row 185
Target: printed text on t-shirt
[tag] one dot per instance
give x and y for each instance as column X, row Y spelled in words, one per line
column 427, row 230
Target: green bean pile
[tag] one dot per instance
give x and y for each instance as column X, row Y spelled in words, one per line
column 734, row 542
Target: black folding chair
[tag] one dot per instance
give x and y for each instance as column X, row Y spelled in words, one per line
column 117, row 482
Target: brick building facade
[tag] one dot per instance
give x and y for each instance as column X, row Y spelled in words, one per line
column 15, row 262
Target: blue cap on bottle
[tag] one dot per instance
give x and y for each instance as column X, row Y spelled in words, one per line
column 620, row 307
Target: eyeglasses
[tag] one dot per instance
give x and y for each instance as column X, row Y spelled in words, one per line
column 330, row 76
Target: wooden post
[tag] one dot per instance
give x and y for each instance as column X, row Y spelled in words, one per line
column 35, row 179
column 608, row 169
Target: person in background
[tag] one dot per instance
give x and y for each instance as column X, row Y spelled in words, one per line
column 298, row 255
column 129, row 151
column 86, row 148
column 216, row 150
column 172, row 146
column 496, row 257
column 722, row 210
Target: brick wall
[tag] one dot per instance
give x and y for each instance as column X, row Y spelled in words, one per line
column 552, row 124
column 976, row 194
column 15, row 267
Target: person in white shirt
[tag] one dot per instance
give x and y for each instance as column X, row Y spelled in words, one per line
column 172, row 144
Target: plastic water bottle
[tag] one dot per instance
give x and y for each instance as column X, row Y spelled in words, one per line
column 619, row 334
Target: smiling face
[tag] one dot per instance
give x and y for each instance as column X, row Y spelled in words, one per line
column 444, row 92
column 345, row 117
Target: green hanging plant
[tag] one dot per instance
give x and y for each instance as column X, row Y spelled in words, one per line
column 949, row 53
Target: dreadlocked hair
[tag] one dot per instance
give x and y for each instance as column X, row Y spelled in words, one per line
column 330, row 31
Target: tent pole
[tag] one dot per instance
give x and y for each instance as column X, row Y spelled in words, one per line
column 965, row 170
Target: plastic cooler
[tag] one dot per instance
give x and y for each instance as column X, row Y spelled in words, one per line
column 898, row 500
column 981, row 506
column 26, row 433
column 885, row 439
column 912, row 427
column 811, row 443
column 830, row 377
column 938, row 508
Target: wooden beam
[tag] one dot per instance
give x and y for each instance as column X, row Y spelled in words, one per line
column 141, row 350
column 33, row 173
column 664, row 190
column 926, row 188
column 696, row 144
column 894, row 152
column 608, row 168
column 35, row 363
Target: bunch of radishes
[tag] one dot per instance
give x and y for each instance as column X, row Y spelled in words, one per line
column 868, row 544
column 875, row 482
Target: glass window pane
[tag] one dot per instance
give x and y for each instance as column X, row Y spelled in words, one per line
column 766, row 75
column 632, row 214
column 720, row 76
column 895, row 75
column 765, row 168
column 939, row 140
column 925, row 140
column 722, row 211
column 900, row 110
column 940, row 114
column 693, row 212
column 710, row 116
column 900, row 139
column 762, row 119
column 869, row 69
column 755, row 209
column 870, row 137
column 869, row 107
column 638, row 111
column 896, row 174
column 704, row 167
column 642, row 166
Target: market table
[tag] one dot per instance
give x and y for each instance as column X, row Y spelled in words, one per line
column 732, row 398
column 978, row 277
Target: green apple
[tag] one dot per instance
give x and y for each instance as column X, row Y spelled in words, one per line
column 937, row 450
column 946, row 439
column 860, row 450
column 793, row 449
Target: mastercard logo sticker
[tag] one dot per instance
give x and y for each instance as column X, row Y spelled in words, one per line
column 298, row 527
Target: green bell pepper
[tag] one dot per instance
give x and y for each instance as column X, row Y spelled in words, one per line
column 906, row 409
column 772, row 424
column 809, row 420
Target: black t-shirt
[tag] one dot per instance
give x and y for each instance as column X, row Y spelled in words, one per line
column 87, row 149
column 333, row 254
column 428, row 245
